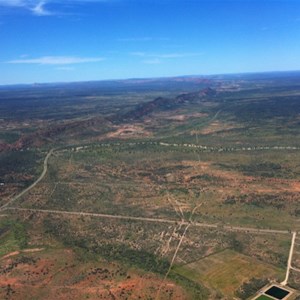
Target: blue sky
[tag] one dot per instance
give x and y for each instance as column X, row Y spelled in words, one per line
column 77, row 40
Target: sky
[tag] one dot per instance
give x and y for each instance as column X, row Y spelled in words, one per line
column 82, row 40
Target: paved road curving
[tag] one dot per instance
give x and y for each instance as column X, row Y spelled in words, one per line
column 31, row 186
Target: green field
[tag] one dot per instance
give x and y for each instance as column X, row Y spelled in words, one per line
column 263, row 297
column 226, row 270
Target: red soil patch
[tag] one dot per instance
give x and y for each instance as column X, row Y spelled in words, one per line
column 58, row 274
column 129, row 131
column 216, row 127
column 22, row 251
column 179, row 117
column 233, row 180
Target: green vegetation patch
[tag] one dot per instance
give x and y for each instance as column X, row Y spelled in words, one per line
column 13, row 236
column 263, row 297
column 279, row 201
column 266, row 169
column 26, row 163
column 141, row 259
column 225, row 272
column 9, row 137
column 196, row 290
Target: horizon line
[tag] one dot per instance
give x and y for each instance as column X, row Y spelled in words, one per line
column 147, row 78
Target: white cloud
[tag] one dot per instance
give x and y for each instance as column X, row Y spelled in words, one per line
column 56, row 60
column 40, row 10
column 154, row 61
column 140, row 39
column 35, row 2
column 176, row 55
column 158, row 58
column 12, row 2
column 65, row 68
column 37, row 7
column 141, row 54
column 165, row 55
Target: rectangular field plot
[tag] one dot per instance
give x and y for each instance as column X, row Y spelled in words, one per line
column 226, row 271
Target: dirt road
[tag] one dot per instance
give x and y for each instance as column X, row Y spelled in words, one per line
column 289, row 264
column 155, row 220
column 31, row 186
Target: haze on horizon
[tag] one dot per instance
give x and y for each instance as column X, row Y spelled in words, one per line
column 80, row 40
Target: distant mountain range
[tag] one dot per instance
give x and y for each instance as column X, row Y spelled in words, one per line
column 162, row 104
column 76, row 128
column 155, row 82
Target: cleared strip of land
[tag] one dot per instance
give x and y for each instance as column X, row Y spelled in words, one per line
column 202, row 148
column 155, row 220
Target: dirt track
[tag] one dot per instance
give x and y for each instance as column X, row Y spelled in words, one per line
column 144, row 219
column 31, row 186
